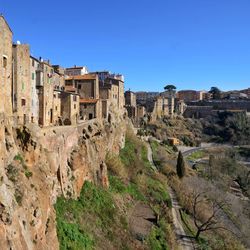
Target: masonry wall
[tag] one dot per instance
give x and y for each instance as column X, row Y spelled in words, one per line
column 224, row 104
column 121, row 95
column 56, row 107
column 21, row 83
column 86, row 89
column 48, row 92
column 87, row 111
column 70, row 108
column 5, row 68
column 34, row 64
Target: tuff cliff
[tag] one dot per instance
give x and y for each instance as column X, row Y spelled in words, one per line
column 38, row 165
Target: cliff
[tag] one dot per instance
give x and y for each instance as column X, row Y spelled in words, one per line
column 38, row 165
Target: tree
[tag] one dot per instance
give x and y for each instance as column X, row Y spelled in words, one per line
column 180, row 166
column 170, row 87
column 215, row 92
column 211, row 221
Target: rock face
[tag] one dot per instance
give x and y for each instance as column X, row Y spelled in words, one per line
column 38, row 165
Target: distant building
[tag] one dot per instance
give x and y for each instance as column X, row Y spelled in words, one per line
column 130, row 98
column 180, row 107
column 170, row 95
column 190, row 95
column 76, row 71
column 6, row 94
column 130, row 104
column 144, row 97
column 246, row 91
column 234, row 95
column 141, row 111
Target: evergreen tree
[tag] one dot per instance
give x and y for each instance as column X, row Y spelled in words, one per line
column 180, row 167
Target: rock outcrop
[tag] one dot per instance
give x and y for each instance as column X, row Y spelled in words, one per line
column 38, row 165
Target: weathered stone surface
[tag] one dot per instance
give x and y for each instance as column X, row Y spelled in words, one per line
column 38, row 165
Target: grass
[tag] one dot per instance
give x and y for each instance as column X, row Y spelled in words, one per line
column 94, row 202
column 98, row 217
column 157, row 237
column 117, row 186
column 196, row 155
column 157, row 191
column 71, row 236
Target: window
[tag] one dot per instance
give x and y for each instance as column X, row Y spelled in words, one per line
column 23, row 102
column 85, row 106
column 74, row 98
column 74, row 106
column 5, row 62
column 56, row 108
column 33, row 76
column 33, row 62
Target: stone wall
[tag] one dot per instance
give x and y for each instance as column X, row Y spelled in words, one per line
column 34, row 64
column 224, row 104
column 5, row 67
column 22, row 83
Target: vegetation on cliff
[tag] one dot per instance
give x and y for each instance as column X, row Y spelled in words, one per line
column 105, row 218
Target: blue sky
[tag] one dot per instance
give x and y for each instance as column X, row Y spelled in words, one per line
column 194, row 44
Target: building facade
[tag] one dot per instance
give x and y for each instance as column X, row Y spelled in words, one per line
column 21, row 84
column 76, row 71
column 6, row 93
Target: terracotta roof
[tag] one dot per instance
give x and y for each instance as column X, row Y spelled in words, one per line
column 82, row 77
column 88, row 100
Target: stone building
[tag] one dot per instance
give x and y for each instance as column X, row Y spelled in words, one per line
column 143, row 97
column 21, row 84
column 70, row 108
column 140, row 111
column 170, row 95
column 87, row 86
column 130, row 103
column 189, row 95
column 161, row 107
column 180, row 107
column 5, row 68
column 46, row 87
column 111, row 95
column 76, row 71
column 130, row 98
column 34, row 66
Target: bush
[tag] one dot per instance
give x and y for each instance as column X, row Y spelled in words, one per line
column 72, row 237
column 157, row 238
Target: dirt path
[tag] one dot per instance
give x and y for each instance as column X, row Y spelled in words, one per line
column 183, row 240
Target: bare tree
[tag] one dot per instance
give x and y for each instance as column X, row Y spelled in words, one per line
column 211, row 221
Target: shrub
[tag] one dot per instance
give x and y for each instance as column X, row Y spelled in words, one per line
column 28, row 174
column 157, row 238
column 71, row 236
